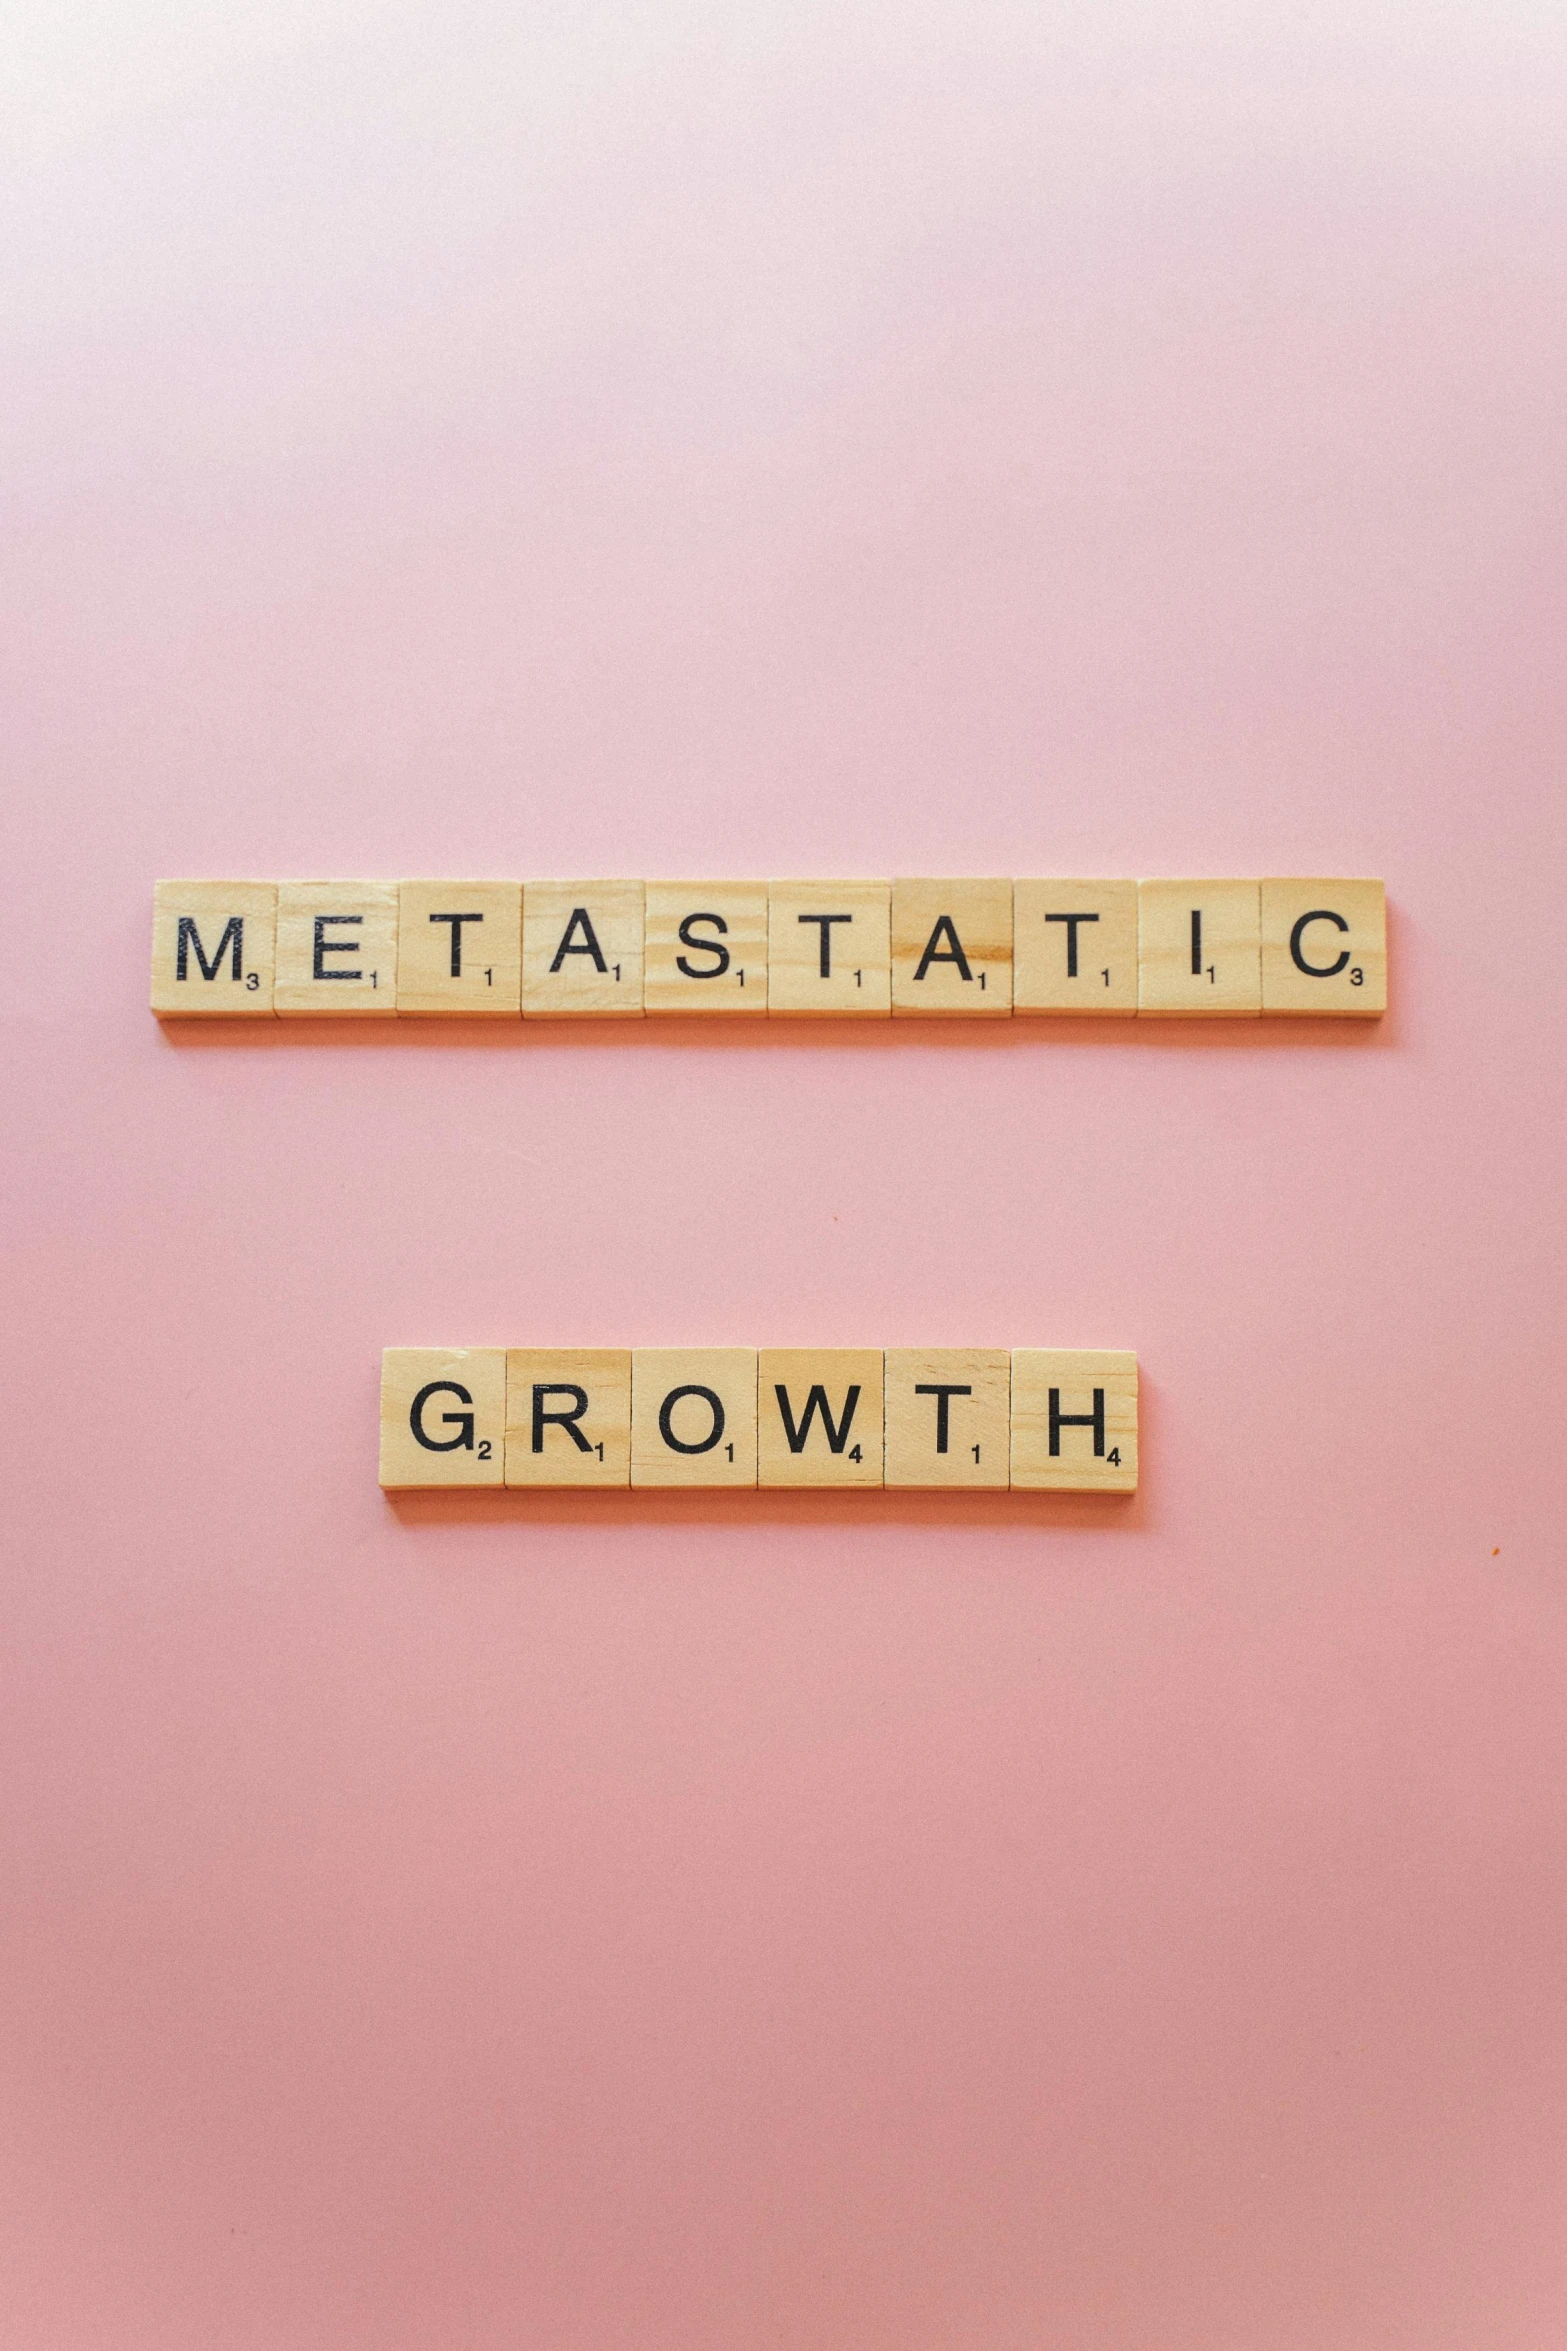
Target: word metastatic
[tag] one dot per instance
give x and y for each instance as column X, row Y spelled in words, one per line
column 1035, row 1418
column 562, row 950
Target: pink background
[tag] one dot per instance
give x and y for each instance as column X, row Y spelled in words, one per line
column 994, row 438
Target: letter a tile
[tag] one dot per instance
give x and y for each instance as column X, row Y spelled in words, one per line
column 693, row 1416
column 819, row 1410
column 582, row 950
column 952, row 948
column 948, row 1416
column 443, row 1416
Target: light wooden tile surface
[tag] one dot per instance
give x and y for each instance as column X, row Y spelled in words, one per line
column 819, row 1412
column 706, row 947
column 443, row 1416
column 582, row 950
column 1074, row 946
column 459, row 949
column 568, row 1416
column 830, row 948
column 948, row 1416
column 1074, row 1420
column 1199, row 948
column 693, row 1416
column 952, row 948
column 213, row 949
column 336, row 950
column 1324, row 947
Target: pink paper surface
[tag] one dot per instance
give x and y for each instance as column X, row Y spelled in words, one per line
column 967, row 438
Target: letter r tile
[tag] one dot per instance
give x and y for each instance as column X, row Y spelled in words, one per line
column 568, row 1416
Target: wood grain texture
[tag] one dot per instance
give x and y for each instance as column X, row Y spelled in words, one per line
column 933, row 1438
column 693, row 1416
column 568, row 1416
column 475, row 927
column 1074, row 946
column 705, row 945
column 830, row 948
column 819, row 1415
column 336, row 950
column 1199, row 949
column 952, row 948
column 213, row 949
column 1074, row 1420
column 582, row 950
column 457, row 1397
column 1324, row 947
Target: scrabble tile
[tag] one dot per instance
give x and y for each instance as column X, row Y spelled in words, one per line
column 819, row 1411
column 829, row 948
column 706, row 947
column 459, row 949
column 948, row 1416
column 1074, row 1420
column 693, row 1416
column 952, row 948
column 1324, row 947
column 582, row 950
column 1199, row 948
column 1074, row 946
column 568, row 1416
column 212, row 948
column 336, row 948
column 443, row 1416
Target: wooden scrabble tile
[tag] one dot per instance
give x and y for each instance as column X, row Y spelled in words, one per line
column 1074, row 1419
column 568, row 1416
column 952, row 948
column 693, row 1416
column 1074, row 946
column 819, row 1411
column 443, row 1416
column 213, row 947
column 948, row 1416
column 336, row 948
column 829, row 948
column 706, row 947
column 1324, row 947
column 459, row 948
column 1199, row 948
column 582, row 949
